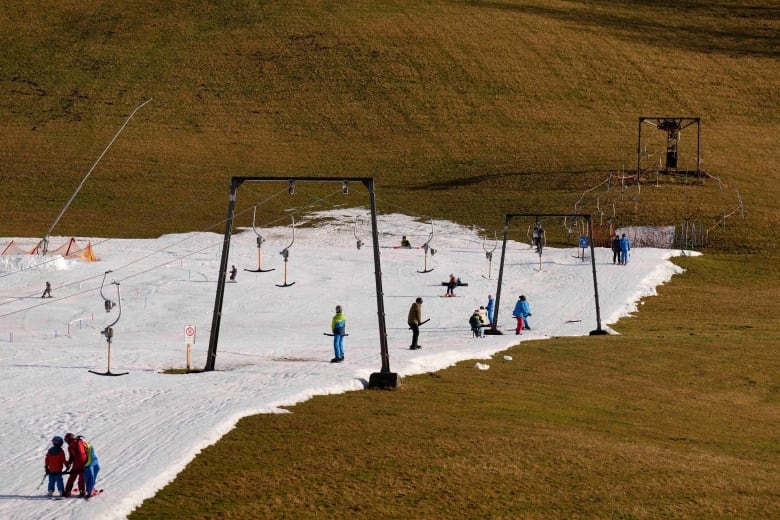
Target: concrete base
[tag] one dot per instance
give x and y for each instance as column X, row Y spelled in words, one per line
column 599, row 332
column 490, row 331
column 383, row 381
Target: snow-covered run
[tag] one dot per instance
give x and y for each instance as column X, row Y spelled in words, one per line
column 147, row 425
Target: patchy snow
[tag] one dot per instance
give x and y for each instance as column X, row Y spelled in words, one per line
column 146, row 425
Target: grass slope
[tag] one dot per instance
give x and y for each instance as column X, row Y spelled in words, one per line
column 494, row 106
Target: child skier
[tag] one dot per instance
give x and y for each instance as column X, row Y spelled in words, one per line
column 451, row 286
column 233, row 273
column 54, row 464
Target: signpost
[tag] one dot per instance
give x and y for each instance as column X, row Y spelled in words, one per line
column 584, row 244
column 189, row 340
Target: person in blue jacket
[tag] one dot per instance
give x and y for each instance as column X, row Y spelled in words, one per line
column 521, row 313
column 339, row 327
column 625, row 245
column 491, row 303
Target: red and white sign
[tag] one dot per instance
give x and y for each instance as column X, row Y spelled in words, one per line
column 189, row 334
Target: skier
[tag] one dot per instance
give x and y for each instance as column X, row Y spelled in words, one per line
column 76, row 462
column 405, row 243
column 451, row 286
column 47, row 291
column 54, row 464
column 476, row 324
column 414, row 320
column 538, row 236
column 491, row 303
column 338, row 326
column 616, row 249
column 91, row 470
column 521, row 312
column 233, row 273
column 625, row 246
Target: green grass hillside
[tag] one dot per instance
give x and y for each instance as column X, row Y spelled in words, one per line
column 493, row 107
column 464, row 110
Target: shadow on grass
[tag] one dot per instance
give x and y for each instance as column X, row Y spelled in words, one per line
column 472, row 180
column 679, row 25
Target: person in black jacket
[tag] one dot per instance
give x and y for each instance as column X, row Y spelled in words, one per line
column 616, row 249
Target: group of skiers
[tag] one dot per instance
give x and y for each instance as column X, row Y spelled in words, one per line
column 481, row 318
column 81, row 465
column 620, row 248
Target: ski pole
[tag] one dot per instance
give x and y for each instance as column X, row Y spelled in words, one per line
column 41, row 483
column 422, row 323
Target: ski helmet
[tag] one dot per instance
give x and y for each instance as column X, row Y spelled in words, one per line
column 69, row 437
column 57, row 440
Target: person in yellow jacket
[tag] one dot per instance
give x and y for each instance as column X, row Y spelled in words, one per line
column 338, row 326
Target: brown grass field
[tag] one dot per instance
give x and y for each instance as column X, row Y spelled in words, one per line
column 464, row 110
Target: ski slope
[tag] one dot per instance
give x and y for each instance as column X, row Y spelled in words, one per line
column 147, row 425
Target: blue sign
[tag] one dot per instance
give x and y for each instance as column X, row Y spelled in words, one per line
column 583, row 241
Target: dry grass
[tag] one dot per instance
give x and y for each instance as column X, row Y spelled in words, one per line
column 494, row 106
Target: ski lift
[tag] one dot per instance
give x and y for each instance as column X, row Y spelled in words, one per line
column 427, row 246
column 108, row 332
column 260, row 241
column 107, row 303
column 489, row 254
column 286, row 252
column 359, row 242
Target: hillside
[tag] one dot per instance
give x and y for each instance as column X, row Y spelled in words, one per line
column 475, row 108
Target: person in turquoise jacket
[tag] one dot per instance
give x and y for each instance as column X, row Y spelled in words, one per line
column 625, row 246
column 338, row 326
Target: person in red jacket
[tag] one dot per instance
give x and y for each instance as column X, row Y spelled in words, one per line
column 54, row 464
column 78, row 457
